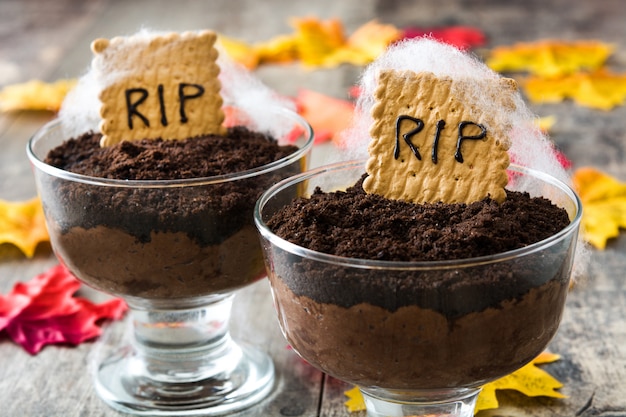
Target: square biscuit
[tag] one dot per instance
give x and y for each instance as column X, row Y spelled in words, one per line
column 428, row 145
column 163, row 87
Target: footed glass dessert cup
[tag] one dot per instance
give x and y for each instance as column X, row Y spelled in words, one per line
column 418, row 338
column 176, row 251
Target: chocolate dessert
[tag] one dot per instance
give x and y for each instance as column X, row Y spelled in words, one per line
column 163, row 241
column 418, row 328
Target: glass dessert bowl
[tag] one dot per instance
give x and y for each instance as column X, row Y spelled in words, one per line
column 418, row 338
column 176, row 251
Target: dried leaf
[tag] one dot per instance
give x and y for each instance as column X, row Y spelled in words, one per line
column 599, row 90
column 240, row 51
column 355, row 400
column 280, row 49
column 463, row 37
column 529, row 380
column 327, row 115
column 322, row 43
column 35, row 95
column 317, row 40
column 550, row 58
column 604, row 205
column 23, row 225
column 44, row 311
column 367, row 43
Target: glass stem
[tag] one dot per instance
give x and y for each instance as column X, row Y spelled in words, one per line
column 461, row 405
column 181, row 345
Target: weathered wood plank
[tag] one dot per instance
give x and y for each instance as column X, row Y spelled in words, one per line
column 51, row 40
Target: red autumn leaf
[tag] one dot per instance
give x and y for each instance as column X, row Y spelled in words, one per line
column 44, row 311
column 327, row 115
column 463, row 37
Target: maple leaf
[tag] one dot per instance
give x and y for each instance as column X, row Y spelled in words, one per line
column 317, row 39
column 604, row 205
column 240, row 51
column 600, row 89
column 355, row 400
column 324, row 43
column 529, row 380
column 279, row 49
column 23, row 225
column 35, row 95
column 549, row 58
column 327, row 115
column 367, row 43
column 463, row 37
column 44, row 311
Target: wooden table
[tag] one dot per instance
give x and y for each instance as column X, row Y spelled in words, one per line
column 50, row 40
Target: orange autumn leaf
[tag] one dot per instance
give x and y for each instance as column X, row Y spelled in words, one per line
column 529, row 380
column 599, row 90
column 550, row 58
column 327, row 115
column 35, row 95
column 23, row 225
column 604, row 205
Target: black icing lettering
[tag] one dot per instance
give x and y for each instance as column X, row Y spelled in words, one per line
column 183, row 97
column 483, row 132
column 131, row 106
column 407, row 136
column 440, row 125
column 162, row 105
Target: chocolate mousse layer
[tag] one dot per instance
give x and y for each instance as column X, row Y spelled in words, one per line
column 419, row 328
column 163, row 242
column 354, row 224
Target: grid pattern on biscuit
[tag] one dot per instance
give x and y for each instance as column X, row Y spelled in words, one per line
column 401, row 175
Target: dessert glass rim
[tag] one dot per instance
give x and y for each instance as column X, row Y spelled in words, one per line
column 364, row 263
column 185, row 182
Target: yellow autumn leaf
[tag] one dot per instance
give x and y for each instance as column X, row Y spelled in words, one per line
column 23, row 225
column 239, row 51
column 317, row 39
column 599, row 90
column 319, row 43
column 604, row 205
column 35, row 95
column 550, row 58
column 355, row 400
column 529, row 380
column 367, row 43
column 279, row 49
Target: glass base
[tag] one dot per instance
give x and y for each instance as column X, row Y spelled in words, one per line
column 183, row 363
column 457, row 403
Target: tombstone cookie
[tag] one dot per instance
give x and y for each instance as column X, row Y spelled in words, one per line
column 159, row 87
column 428, row 145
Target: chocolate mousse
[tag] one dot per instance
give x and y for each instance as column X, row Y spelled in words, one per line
column 163, row 242
column 395, row 328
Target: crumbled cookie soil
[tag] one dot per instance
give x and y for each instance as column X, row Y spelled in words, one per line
column 354, row 224
column 140, row 212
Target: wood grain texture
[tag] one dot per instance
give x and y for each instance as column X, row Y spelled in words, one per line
column 50, row 40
